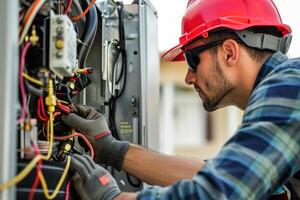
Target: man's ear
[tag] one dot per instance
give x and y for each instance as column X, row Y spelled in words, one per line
column 230, row 51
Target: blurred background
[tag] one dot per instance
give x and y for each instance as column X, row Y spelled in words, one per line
column 185, row 128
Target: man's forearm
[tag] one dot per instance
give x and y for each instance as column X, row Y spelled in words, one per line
column 126, row 196
column 157, row 169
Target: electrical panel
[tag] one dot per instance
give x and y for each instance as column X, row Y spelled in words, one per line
column 101, row 53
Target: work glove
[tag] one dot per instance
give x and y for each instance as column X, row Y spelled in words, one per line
column 107, row 149
column 91, row 181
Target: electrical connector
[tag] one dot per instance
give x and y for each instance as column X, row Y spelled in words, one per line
column 85, row 71
column 34, row 38
column 51, row 98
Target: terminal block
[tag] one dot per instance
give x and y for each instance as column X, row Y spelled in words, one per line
column 63, row 45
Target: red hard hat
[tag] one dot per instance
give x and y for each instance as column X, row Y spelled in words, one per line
column 203, row 16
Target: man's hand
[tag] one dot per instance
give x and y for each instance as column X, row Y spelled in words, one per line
column 92, row 181
column 108, row 150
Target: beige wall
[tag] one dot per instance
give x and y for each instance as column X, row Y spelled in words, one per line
column 173, row 72
column 220, row 132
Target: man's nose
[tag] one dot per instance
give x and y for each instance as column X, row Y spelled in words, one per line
column 190, row 77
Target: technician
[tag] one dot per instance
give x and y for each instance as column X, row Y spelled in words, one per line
column 235, row 50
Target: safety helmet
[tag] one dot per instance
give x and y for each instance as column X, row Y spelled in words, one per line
column 205, row 16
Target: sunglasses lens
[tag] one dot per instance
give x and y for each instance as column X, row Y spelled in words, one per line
column 192, row 56
column 192, row 60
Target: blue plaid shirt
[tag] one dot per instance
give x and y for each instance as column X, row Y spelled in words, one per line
column 263, row 155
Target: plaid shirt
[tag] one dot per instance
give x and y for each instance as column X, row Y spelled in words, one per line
column 263, row 155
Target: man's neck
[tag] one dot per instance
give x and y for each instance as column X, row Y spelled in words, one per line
column 248, row 73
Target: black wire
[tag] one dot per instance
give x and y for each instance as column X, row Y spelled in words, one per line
column 123, row 73
column 67, row 92
column 122, row 48
column 26, row 3
column 112, row 171
column 112, row 111
column 114, row 64
column 77, row 6
column 137, row 184
column 33, row 90
column 88, row 34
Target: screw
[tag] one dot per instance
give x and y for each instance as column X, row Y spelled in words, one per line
column 60, row 30
column 59, row 20
column 59, row 54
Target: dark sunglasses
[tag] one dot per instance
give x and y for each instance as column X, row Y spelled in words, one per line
column 192, row 55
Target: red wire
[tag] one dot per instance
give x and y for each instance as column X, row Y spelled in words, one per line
column 56, row 114
column 21, row 15
column 78, row 17
column 43, row 107
column 79, row 135
column 21, row 82
column 68, row 7
column 41, row 117
column 41, row 111
column 68, row 190
column 28, row 14
column 64, row 108
column 30, row 10
column 38, row 169
column 39, row 114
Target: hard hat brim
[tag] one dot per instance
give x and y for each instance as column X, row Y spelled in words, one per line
column 173, row 54
column 176, row 53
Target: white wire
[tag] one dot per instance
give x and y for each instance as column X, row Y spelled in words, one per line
column 111, row 77
column 109, row 71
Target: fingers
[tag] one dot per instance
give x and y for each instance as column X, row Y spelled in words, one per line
column 75, row 121
column 94, row 115
column 79, row 167
column 88, row 112
column 78, row 184
column 86, row 161
column 90, row 161
column 84, row 110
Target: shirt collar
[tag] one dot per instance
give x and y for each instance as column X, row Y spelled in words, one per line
column 270, row 64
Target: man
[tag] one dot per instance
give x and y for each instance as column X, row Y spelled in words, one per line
column 235, row 52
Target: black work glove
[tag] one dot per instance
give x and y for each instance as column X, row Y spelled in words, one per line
column 91, row 181
column 108, row 150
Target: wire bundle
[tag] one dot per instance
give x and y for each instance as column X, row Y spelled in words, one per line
column 38, row 158
column 21, row 82
column 78, row 17
column 47, row 117
column 28, row 18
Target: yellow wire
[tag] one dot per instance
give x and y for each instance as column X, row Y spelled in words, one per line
column 22, row 174
column 51, row 108
column 29, row 78
column 59, row 184
column 34, row 161
column 50, row 129
column 62, row 101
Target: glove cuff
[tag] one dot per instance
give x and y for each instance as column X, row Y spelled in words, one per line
column 111, row 193
column 100, row 135
column 114, row 153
